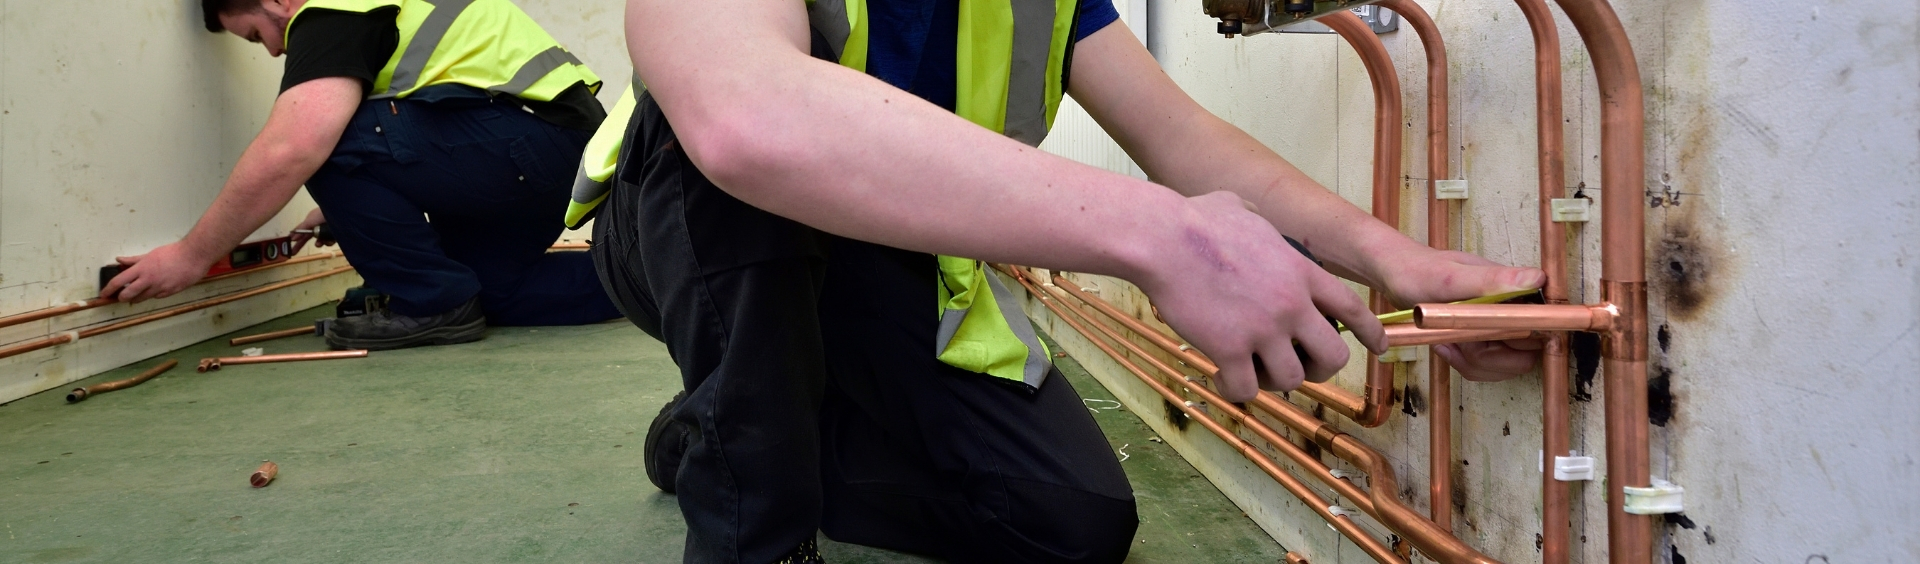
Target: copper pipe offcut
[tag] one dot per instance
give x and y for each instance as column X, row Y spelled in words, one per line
column 80, row 394
column 269, row 336
column 1533, row 317
column 212, row 364
column 1296, row 558
column 265, row 475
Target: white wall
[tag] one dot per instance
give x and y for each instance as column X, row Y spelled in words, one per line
column 121, row 120
column 1790, row 132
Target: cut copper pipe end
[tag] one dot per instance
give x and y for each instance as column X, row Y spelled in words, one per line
column 79, row 394
column 268, row 470
column 1296, row 558
column 263, row 337
column 211, row 364
column 1516, row 316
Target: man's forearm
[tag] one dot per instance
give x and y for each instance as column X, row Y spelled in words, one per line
column 300, row 134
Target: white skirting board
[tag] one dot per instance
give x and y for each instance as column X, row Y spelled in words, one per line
column 54, row 367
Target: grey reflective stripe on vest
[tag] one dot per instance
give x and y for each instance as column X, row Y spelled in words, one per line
column 425, row 41
column 1027, row 83
column 1037, row 365
column 829, row 17
column 1037, row 362
column 535, row 69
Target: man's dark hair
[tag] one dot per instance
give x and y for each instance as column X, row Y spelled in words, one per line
column 213, row 8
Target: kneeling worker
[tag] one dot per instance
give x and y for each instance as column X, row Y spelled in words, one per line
column 394, row 111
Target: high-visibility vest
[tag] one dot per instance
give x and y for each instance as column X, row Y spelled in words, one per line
column 487, row 44
column 1010, row 75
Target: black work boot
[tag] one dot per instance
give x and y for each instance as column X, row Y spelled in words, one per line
column 383, row 329
column 667, row 441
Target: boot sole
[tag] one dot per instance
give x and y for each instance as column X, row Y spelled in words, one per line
column 656, row 468
column 449, row 335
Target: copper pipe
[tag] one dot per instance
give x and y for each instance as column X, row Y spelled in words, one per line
column 570, row 246
column 1517, row 316
column 1623, row 279
column 1376, row 406
column 1296, row 558
column 1555, row 413
column 1433, row 541
column 57, row 311
column 79, row 394
column 269, row 336
column 265, row 475
column 1382, row 502
column 72, row 336
column 1408, row 335
column 1293, row 485
column 1292, row 451
column 212, row 364
column 1439, row 215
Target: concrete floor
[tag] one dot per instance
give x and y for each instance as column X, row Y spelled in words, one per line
column 524, row 447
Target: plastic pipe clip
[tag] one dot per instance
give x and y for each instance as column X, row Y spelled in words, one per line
column 1661, row 497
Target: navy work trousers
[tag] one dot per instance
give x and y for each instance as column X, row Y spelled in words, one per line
column 815, row 398
column 436, row 203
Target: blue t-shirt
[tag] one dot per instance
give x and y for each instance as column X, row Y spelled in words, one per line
column 913, row 42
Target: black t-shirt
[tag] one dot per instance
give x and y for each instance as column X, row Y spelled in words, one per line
column 330, row 43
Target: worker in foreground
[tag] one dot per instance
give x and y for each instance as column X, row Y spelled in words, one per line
column 797, row 189
column 394, row 111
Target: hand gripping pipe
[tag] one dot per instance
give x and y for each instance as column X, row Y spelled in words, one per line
column 1339, row 522
column 1379, row 501
column 72, row 336
column 76, row 307
column 1555, row 414
column 1621, row 317
column 1372, row 409
column 1439, row 218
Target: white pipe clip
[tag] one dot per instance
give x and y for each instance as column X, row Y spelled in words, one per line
column 1346, row 474
column 72, row 336
column 1661, row 497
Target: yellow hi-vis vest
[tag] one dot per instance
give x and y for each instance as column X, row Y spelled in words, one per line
column 1010, row 75
column 487, row 44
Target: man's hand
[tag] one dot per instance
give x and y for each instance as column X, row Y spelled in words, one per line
column 305, row 231
column 162, row 272
column 1238, row 291
column 1445, row 276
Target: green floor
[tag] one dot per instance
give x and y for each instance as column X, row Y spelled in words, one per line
column 520, row 448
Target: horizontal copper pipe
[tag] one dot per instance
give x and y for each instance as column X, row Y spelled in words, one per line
column 72, row 336
column 570, row 247
column 1339, row 400
column 211, row 364
column 1433, row 541
column 79, row 394
column 57, row 311
column 1296, row 558
column 265, row 475
column 1379, row 500
column 1408, row 335
column 269, row 336
column 1516, row 317
column 1293, row 485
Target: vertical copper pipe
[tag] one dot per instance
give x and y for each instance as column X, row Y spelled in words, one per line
column 1382, row 504
column 1555, row 414
column 1439, row 212
column 1623, row 269
column 1387, row 141
column 1319, row 505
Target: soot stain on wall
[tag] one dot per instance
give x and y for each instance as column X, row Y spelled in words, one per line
column 1660, row 397
column 1685, row 268
column 1174, row 415
column 1411, row 402
column 1586, row 364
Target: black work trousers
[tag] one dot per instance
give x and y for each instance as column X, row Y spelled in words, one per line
column 815, row 397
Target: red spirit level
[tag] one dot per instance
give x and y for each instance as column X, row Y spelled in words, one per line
column 247, row 256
